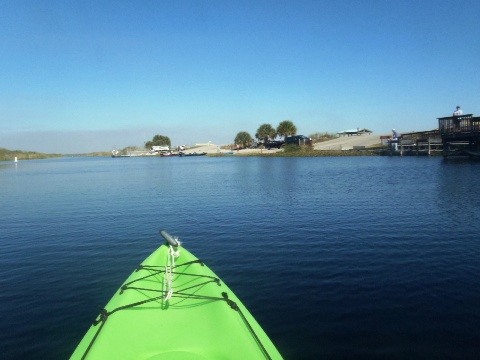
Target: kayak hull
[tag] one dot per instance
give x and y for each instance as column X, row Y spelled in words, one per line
column 203, row 319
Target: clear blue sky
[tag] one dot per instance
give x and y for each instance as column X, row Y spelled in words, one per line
column 79, row 76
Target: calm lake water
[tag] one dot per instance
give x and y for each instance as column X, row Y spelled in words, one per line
column 337, row 258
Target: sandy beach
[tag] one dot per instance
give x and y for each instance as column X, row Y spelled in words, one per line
column 341, row 143
column 216, row 149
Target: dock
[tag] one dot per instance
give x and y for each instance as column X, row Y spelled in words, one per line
column 417, row 144
column 460, row 135
column 455, row 136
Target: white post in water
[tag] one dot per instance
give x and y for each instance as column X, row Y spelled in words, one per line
column 16, row 160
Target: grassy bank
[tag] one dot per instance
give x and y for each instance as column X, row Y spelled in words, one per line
column 305, row 151
column 101, row 153
column 306, row 154
column 10, row 155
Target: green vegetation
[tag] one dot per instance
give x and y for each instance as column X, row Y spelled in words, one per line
column 9, row 155
column 158, row 140
column 303, row 152
column 243, row 138
column 286, row 128
column 266, row 131
column 325, row 153
column 98, row 153
column 295, row 149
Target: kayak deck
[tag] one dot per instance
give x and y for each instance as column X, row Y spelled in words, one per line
column 175, row 309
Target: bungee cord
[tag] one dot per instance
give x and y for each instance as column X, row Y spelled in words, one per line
column 170, row 271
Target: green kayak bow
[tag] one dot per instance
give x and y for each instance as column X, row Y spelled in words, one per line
column 174, row 307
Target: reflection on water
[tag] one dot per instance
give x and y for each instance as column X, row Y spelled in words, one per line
column 336, row 257
column 457, row 187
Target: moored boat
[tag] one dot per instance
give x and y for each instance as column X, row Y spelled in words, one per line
column 193, row 154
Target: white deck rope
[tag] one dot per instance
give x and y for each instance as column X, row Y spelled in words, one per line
column 168, row 279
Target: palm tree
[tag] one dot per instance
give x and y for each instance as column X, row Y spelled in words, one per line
column 243, row 138
column 286, row 128
column 266, row 131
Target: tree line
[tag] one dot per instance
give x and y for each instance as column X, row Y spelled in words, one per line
column 10, row 155
column 286, row 128
column 267, row 132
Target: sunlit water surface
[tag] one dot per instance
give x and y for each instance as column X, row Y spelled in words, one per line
column 338, row 258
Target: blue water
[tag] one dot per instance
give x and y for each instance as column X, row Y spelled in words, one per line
column 337, row 258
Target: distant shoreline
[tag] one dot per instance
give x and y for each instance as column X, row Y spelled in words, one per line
column 313, row 153
column 11, row 155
